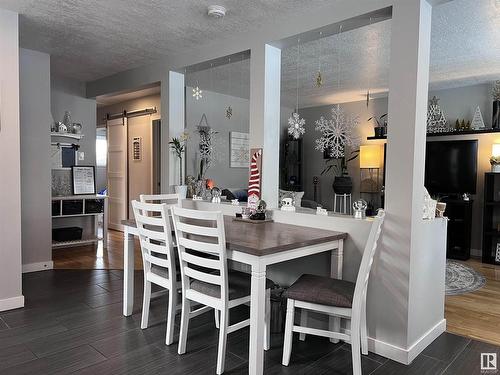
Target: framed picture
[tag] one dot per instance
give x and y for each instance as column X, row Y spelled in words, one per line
column 83, row 179
column 239, row 144
column 497, row 253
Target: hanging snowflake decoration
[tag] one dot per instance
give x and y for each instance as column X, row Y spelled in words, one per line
column 338, row 132
column 229, row 112
column 207, row 145
column 296, row 126
column 197, row 93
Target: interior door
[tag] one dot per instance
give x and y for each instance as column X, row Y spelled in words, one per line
column 117, row 172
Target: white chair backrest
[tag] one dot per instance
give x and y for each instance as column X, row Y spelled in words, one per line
column 155, row 236
column 169, row 199
column 201, row 243
column 367, row 261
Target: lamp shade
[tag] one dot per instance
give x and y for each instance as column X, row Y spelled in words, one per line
column 369, row 156
column 495, row 150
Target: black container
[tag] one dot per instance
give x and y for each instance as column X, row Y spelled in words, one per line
column 67, row 234
column 56, row 208
column 495, row 124
column 342, row 185
column 94, row 206
column 379, row 131
column 72, row 207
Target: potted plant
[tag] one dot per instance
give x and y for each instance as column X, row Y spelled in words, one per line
column 381, row 125
column 496, row 105
column 178, row 145
column 342, row 183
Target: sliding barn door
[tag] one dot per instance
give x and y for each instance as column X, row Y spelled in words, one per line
column 117, row 173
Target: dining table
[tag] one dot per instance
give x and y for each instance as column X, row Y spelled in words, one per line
column 257, row 245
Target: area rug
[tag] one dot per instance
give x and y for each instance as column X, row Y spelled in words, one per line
column 461, row 278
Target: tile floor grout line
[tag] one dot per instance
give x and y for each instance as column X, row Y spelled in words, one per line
column 456, row 356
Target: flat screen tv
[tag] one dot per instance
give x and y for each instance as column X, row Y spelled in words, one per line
column 451, row 167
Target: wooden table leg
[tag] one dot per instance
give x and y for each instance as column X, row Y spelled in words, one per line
column 128, row 272
column 257, row 318
column 337, row 259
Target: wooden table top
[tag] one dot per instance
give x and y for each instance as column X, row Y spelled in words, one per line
column 270, row 237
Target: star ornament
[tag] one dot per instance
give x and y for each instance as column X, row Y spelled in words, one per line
column 197, row 93
column 296, row 126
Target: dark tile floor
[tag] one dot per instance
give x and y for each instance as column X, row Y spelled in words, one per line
column 73, row 323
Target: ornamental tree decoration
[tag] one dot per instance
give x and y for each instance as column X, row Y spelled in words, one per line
column 338, row 133
column 178, row 145
column 206, row 147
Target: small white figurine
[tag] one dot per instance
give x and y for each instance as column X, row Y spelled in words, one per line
column 321, row 211
column 287, row 204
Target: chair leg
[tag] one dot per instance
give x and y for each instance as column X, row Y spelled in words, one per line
column 267, row 321
column 145, row 303
column 172, row 303
column 221, row 353
column 355, row 346
column 186, row 309
column 287, row 345
column 303, row 323
column 364, row 333
column 217, row 318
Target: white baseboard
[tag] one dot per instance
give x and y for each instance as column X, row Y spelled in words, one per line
column 11, row 303
column 41, row 266
column 406, row 356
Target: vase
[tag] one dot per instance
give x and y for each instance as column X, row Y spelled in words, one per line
column 379, row 131
column 495, row 168
column 495, row 124
column 182, row 191
column 342, row 185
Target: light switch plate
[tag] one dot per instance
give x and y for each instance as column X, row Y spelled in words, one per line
column 81, row 156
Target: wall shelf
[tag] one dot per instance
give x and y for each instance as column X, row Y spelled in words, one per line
column 66, row 135
column 464, row 132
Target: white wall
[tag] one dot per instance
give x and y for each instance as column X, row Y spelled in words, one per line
column 10, row 165
column 34, row 70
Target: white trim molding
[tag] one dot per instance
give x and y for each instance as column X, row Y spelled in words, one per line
column 35, row 267
column 406, row 356
column 11, row 303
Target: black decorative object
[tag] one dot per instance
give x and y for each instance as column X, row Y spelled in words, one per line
column 342, row 185
column 495, row 124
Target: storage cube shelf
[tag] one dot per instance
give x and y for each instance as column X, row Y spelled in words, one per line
column 491, row 218
column 79, row 206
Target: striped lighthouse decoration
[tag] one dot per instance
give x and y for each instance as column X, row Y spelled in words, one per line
column 254, row 181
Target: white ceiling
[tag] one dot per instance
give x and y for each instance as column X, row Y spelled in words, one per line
column 91, row 39
column 105, row 100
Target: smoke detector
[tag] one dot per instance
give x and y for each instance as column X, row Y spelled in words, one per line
column 216, row 11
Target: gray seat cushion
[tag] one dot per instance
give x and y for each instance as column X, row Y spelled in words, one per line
column 163, row 272
column 322, row 290
column 239, row 285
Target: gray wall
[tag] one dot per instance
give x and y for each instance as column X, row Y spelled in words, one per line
column 10, row 174
column 214, row 105
column 69, row 95
column 35, row 156
column 457, row 103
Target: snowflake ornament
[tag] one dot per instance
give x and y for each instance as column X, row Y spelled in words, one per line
column 296, row 126
column 338, row 133
column 229, row 112
column 197, row 93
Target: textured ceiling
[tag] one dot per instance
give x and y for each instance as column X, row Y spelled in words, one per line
column 89, row 39
column 105, row 100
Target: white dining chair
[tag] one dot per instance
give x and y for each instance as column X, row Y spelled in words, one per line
column 337, row 298
column 206, row 280
column 169, row 199
column 158, row 258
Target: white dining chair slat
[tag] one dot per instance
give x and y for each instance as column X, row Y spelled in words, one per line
column 205, row 247
column 169, row 199
column 357, row 337
column 143, row 213
column 195, row 229
column 205, row 224
column 200, row 261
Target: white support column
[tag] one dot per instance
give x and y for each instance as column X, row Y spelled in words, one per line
column 265, row 83
column 172, row 125
column 408, row 91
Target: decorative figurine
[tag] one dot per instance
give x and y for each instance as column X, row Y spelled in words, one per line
column 287, row 205
column 260, row 212
column 216, row 194
column 359, row 208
